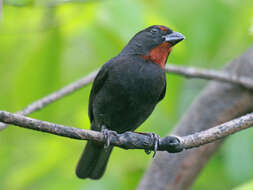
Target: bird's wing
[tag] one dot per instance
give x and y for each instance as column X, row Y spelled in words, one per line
column 163, row 92
column 97, row 85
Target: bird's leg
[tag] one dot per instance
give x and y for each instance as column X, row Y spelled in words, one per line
column 155, row 138
column 107, row 135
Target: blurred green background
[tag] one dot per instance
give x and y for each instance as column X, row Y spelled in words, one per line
column 45, row 45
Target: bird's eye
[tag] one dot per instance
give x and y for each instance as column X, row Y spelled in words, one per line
column 154, row 30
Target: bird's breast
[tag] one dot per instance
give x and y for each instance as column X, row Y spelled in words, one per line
column 129, row 95
column 139, row 82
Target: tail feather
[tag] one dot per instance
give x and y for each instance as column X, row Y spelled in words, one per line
column 93, row 161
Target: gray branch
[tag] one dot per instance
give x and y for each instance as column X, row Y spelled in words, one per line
column 130, row 140
column 210, row 75
column 218, row 132
column 43, row 102
column 179, row 70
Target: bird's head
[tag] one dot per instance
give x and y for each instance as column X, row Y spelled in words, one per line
column 153, row 43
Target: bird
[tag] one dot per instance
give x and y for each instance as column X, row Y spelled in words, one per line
column 125, row 92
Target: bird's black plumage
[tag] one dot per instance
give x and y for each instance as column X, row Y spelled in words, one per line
column 124, row 93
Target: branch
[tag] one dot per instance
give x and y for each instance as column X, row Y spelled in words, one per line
column 43, row 102
column 130, row 140
column 210, row 75
column 218, row 132
column 179, row 70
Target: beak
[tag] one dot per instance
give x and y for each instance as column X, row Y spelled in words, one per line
column 174, row 38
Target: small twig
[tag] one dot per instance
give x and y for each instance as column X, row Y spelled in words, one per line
column 179, row 70
column 218, row 132
column 131, row 140
column 210, row 75
column 43, row 102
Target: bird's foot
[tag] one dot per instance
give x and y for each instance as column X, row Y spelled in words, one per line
column 155, row 139
column 107, row 135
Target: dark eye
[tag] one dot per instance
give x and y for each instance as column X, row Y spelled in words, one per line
column 154, row 30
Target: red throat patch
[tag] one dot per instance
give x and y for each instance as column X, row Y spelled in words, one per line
column 159, row 54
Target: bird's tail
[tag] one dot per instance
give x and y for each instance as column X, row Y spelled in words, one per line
column 93, row 161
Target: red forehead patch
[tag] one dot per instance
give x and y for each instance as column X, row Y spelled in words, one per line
column 163, row 28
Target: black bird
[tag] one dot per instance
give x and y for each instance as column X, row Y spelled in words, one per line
column 126, row 91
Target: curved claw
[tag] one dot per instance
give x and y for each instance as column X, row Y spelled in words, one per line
column 107, row 135
column 155, row 139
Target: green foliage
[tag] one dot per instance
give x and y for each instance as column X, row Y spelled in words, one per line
column 246, row 186
column 45, row 45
